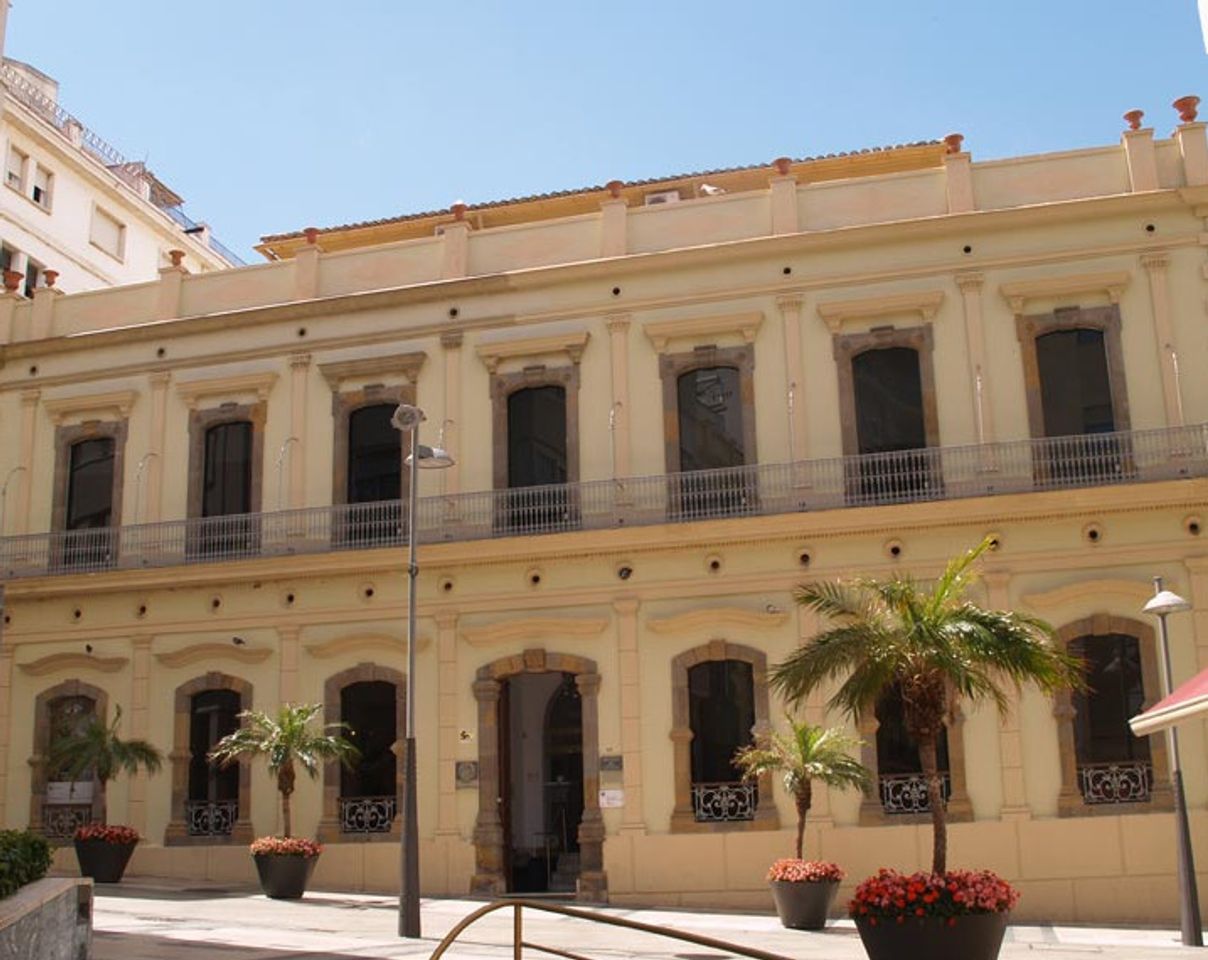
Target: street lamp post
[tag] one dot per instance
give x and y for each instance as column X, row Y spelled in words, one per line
column 407, row 419
column 1165, row 602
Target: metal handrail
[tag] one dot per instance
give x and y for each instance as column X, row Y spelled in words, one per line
column 865, row 480
column 519, row 943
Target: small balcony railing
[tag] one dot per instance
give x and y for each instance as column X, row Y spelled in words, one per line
column 907, row 792
column 60, row 820
column 1125, row 782
column 367, row 814
column 713, row 802
column 211, row 818
column 867, row 480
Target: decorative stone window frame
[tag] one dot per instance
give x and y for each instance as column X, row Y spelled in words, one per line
column 343, row 405
column 67, row 437
column 200, row 422
column 683, row 818
column 176, row 834
column 1069, row 799
column 672, row 366
column 41, row 745
column 488, row 828
column 848, row 346
column 1106, row 319
column 872, row 813
column 329, row 824
column 503, row 385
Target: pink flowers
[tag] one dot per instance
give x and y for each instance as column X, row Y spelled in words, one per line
column 891, row 894
column 804, row 871
column 286, row 847
column 107, row 834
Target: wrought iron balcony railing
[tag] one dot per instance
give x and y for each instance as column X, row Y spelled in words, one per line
column 61, row 820
column 911, row 476
column 211, row 818
column 367, row 814
column 1129, row 781
column 907, row 792
column 713, row 802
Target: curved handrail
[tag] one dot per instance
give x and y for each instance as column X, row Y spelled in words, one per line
column 578, row 913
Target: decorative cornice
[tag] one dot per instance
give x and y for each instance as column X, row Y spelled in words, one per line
column 925, row 303
column 745, row 325
column 299, row 360
column 1018, row 293
column 572, row 344
column 717, row 618
column 1135, row 592
column 364, row 643
column 194, row 391
column 72, row 662
column 532, row 629
column 208, row 652
column 117, row 402
column 30, row 397
column 407, row 364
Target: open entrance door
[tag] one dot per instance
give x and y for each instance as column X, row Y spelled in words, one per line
column 541, row 774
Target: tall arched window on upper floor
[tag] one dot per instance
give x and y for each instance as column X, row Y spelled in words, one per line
column 374, row 476
column 88, row 516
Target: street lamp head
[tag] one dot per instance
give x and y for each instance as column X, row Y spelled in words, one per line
column 1164, row 602
column 431, row 458
column 407, row 417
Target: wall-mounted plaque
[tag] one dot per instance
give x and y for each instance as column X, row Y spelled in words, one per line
column 611, row 763
column 466, row 773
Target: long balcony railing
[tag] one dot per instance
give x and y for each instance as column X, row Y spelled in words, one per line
column 935, row 473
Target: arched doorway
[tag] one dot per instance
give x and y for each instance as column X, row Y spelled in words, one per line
column 539, row 826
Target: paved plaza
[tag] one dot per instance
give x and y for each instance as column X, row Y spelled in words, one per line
column 171, row 921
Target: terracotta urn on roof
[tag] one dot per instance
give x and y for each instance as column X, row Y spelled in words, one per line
column 953, row 142
column 1187, row 108
column 782, row 165
column 12, row 280
column 176, row 256
column 50, row 276
column 459, row 210
column 312, row 235
column 614, row 188
column 1134, row 119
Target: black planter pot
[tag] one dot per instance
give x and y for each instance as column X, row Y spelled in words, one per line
column 104, row 862
column 975, row 936
column 803, row 906
column 284, row 876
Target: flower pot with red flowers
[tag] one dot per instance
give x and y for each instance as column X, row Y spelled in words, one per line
column 804, row 890
column 104, row 851
column 97, row 751
column 284, row 865
column 959, row 915
column 286, row 741
column 934, row 646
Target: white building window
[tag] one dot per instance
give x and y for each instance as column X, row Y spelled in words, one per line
column 108, row 233
column 14, row 173
column 43, row 186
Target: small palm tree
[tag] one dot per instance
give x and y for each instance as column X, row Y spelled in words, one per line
column 808, row 754
column 286, row 741
column 97, row 747
column 935, row 645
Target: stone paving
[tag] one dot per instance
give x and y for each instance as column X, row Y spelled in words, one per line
column 170, row 921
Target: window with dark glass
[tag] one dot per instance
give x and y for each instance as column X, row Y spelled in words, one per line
column 1075, row 391
column 721, row 714
column 212, row 715
column 69, row 717
column 537, row 450
column 227, row 478
column 889, row 400
column 374, row 455
column 368, row 789
column 903, row 789
column 90, row 484
column 709, row 408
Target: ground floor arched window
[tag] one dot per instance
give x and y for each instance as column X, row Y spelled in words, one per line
column 57, row 804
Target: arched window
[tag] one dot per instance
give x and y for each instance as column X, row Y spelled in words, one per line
column 899, row 773
column 227, row 471
column 368, row 790
column 57, row 805
column 374, row 479
column 86, row 488
column 1113, row 765
column 538, row 456
column 213, row 802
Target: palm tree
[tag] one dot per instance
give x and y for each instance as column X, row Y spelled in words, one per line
column 97, row 747
column 285, row 741
column 934, row 644
column 809, row 754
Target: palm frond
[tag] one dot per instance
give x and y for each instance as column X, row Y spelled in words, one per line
column 100, row 748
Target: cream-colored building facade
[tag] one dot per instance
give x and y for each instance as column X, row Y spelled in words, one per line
column 614, row 600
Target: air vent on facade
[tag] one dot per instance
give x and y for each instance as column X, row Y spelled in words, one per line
column 661, row 196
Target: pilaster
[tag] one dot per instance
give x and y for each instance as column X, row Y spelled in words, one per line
column 790, row 320
column 155, row 446
column 29, row 425
column 970, row 285
column 1155, row 265
column 288, row 688
column 6, row 689
column 1197, row 569
column 629, row 669
column 447, row 700
column 618, row 418
column 451, row 341
column 140, row 726
column 299, row 374
column 1010, row 736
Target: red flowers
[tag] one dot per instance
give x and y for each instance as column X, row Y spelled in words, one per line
column 893, row 894
column 286, row 846
column 107, row 834
column 804, row 871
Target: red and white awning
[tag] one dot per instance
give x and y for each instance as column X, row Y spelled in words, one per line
column 1188, row 701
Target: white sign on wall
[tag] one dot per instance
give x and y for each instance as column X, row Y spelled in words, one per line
column 612, row 798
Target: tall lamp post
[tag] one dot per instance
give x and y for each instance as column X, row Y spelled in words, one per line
column 1165, row 602
column 407, row 419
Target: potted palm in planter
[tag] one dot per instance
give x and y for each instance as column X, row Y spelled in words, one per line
column 103, row 850
column 805, row 889
column 935, row 645
column 286, row 741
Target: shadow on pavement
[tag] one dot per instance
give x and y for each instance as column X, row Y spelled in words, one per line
column 134, row 946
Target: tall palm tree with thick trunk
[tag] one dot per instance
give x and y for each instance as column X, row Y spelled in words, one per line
column 286, row 741
column 931, row 642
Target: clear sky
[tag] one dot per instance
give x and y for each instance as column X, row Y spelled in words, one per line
column 272, row 115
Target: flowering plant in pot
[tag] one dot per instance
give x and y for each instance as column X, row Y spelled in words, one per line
column 286, row 741
column 934, row 645
column 804, row 889
column 103, row 851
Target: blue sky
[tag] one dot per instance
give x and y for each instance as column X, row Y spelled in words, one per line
column 269, row 115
